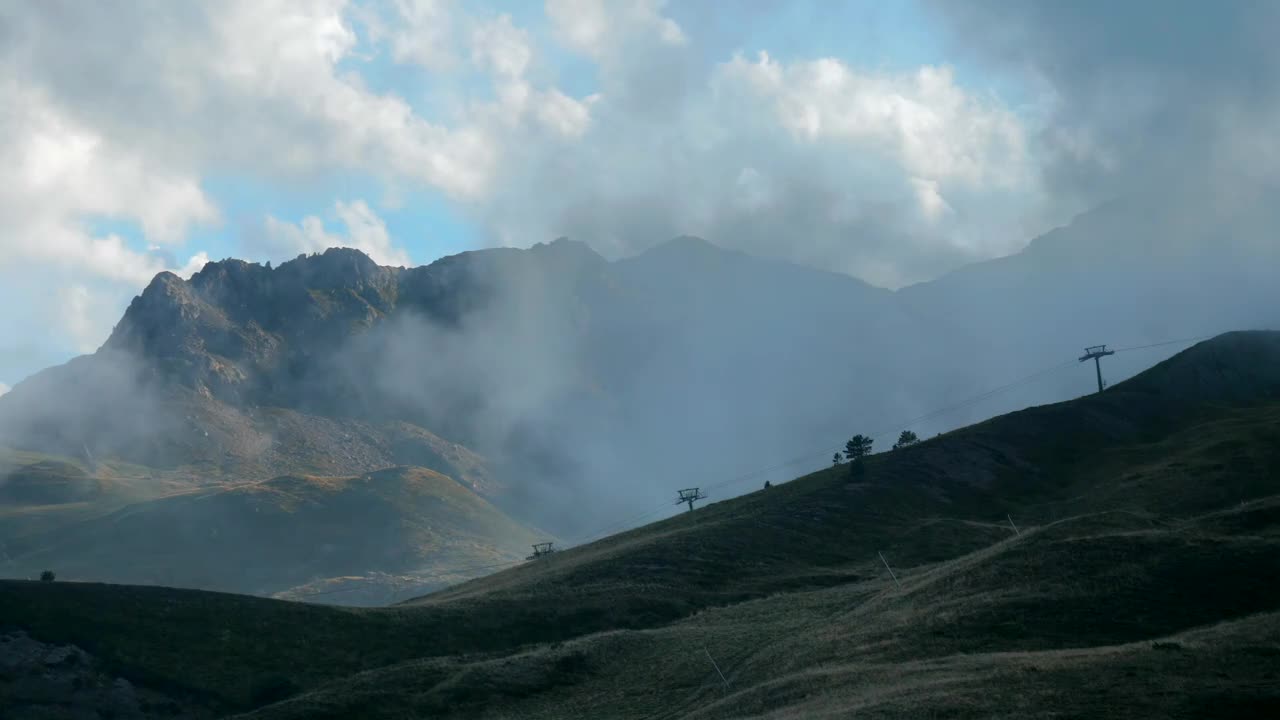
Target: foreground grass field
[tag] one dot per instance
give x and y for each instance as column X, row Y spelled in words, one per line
column 1140, row 583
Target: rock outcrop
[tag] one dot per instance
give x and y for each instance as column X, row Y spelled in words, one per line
column 43, row 681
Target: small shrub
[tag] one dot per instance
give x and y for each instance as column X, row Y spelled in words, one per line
column 1166, row 645
column 47, row 576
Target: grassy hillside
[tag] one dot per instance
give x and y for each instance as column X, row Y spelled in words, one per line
column 179, row 521
column 41, row 493
column 1148, row 537
column 271, row 536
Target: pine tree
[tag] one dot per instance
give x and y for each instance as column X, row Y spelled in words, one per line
column 906, row 438
column 858, row 447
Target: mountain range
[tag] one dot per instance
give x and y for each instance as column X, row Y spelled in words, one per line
column 556, row 390
column 1111, row 556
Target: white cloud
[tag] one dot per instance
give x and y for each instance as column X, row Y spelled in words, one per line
column 932, row 205
column 194, row 264
column 92, row 129
column 81, row 317
column 935, row 129
column 288, row 58
column 563, row 114
column 244, row 87
column 500, row 46
column 893, row 176
column 756, row 191
column 441, row 35
column 365, row 231
column 582, row 24
column 1131, row 109
column 506, row 53
column 56, row 173
column 598, row 28
column 423, row 32
column 4, row 388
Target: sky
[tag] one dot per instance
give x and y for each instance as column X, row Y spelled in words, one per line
column 893, row 141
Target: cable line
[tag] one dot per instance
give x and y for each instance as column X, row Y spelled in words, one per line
column 633, row 521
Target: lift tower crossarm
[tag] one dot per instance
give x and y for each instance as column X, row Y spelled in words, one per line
column 690, row 495
column 541, row 549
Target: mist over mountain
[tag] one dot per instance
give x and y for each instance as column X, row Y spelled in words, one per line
column 1125, row 542
column 551, row 380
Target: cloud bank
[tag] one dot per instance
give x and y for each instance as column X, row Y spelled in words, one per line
column 1139, row 94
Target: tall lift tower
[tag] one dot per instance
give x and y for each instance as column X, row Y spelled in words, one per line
column 1096, row 353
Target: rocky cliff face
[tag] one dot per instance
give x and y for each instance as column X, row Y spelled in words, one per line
column 235, row 327
column 42, row 680
column 243, row 332
column 326, row 364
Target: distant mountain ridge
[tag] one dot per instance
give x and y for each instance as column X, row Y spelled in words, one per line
column 314, row 334
column 549, row 380
column 303, row 336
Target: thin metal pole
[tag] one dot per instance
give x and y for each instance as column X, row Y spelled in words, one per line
column 1097, row 365
column 886, row 567
column 1015, row 527
column 717, row 667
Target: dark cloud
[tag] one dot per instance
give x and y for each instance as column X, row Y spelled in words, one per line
column 1147, row 93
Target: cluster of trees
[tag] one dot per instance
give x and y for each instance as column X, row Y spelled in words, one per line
column 859, row 446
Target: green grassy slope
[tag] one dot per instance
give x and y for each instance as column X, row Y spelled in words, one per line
column 270, row 536
column 40, row 493
column 96, row 517
column 1150, row 537
column 965, row 638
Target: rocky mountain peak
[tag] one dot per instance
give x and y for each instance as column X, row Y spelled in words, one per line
column 336, row 268
column 228, row 272
column 152, row 319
